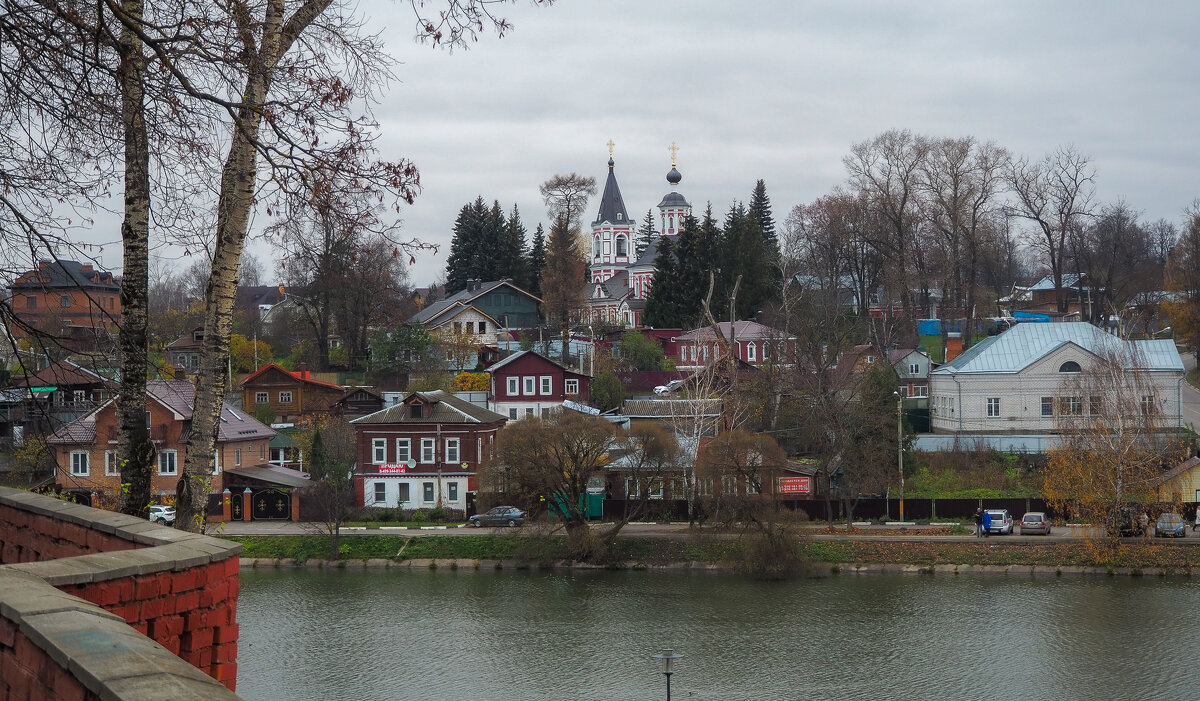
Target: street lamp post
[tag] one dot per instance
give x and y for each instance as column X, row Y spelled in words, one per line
column 900, row 447
column 667, row 658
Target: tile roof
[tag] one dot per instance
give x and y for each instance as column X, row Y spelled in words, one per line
column 668, row 408
column 298, row 375
column 64, row 274
column 446, row 409
column 1023, row 344
column 63, row 373
column 179, row 396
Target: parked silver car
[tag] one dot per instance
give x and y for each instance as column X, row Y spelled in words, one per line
column 1170, row 525
column 1002, row 521
column 1035, row 522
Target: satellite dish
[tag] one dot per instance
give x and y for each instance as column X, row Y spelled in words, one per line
column 410, row 463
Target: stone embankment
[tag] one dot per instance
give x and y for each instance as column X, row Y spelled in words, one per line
column 98, row 605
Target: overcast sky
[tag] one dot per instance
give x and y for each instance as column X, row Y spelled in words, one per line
column 780, row 90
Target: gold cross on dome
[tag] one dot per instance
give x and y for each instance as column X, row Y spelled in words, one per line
column 674, row 150
column 610, row 145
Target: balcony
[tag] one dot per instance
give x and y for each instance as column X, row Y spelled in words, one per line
column 158, row 433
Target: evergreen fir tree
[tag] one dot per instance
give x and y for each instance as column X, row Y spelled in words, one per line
column 563, row 287
column 646, row 233
column 510, row 255
column 465, row 244
column 537, row 261
column 747, row 257
column 661, row 304
column 760, row 207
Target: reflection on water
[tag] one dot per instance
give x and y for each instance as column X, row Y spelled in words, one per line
column 435, row 635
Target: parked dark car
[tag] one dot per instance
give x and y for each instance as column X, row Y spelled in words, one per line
column 1035, row 522
column 1170, row 525
column 1002, row 521
column 498, row 516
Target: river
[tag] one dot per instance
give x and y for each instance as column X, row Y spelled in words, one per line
column 457, row 636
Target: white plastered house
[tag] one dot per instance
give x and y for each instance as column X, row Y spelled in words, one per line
column 1018, row 381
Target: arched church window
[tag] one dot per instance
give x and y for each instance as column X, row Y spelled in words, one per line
column 1070, row 366
column 596, row 248
column 621, row 246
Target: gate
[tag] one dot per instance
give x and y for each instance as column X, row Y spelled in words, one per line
column 271, row 504
column 235, row 508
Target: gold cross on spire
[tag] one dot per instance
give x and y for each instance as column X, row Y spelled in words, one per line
column 674, row 150
column 610, row 146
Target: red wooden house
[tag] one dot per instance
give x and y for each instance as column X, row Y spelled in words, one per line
column 423, row 452
column 530, row 384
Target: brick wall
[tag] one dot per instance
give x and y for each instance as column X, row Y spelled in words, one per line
column 91, row 602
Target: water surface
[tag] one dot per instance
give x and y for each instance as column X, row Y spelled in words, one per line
column 435, row 635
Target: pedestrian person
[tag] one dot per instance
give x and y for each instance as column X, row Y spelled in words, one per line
column 987, row 523
column 1197, row 523
column 979, row 522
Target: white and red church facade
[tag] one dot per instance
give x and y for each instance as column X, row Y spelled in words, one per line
column 620, row 280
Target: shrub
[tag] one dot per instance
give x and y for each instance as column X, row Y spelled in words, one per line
column 419, row 516
column 437, row 514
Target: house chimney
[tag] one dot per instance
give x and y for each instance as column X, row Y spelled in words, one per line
column 87, row 267
column 303, row 371
column 43, row 264
column 953, row 345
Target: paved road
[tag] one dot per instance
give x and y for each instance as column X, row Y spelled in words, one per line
column 680, row 530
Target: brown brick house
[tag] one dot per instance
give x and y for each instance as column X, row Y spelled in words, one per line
column 85, row 450
column 290, row 394
column 68, row 295
column 423, row 452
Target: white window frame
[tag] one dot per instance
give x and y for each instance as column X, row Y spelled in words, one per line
column 428, row 492
column 453, row 451
column 528, row 384
column 452, row 491
column 261, row 397
column 572, row 386
column 428, row 450
column 546, row 384
column 111, row 467
column 512, row 414
column 993, row 407
column 919, row 391
column 172, row 457
column 914, row 369
column 237, row 457
column 514, row 386
column 81, row 463
column 378, row 450
column 403, row 450
column 285, row 397
column 403, row 493
column 379, row 487
column 751, row 352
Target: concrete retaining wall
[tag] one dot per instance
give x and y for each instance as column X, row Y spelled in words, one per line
column 98, row 605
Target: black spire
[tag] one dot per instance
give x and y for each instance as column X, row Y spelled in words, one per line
column 612, row 207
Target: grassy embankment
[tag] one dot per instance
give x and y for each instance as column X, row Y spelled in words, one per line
column 710, row 550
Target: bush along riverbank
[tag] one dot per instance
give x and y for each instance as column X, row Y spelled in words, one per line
column 710, row 552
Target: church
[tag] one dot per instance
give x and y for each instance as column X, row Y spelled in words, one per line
column 620, row 280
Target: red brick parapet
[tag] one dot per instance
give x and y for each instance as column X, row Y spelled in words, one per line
column 95, row 604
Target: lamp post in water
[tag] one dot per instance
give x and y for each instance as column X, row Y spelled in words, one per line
column 667, row 658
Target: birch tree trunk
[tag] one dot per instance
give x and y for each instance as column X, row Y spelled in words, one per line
column 136, row 450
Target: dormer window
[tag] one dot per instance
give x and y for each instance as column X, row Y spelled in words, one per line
column 415, row 410
column 198, row 335
column 620, row 216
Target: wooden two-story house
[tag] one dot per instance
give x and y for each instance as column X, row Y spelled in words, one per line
column 424, row 452
column 85, row 450
column 527, row 383
column 289, row 394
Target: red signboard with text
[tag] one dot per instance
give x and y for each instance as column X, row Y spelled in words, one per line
column 795, row 485
column 392, row 469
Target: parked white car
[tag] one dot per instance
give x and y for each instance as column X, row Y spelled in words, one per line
column 162, row 514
